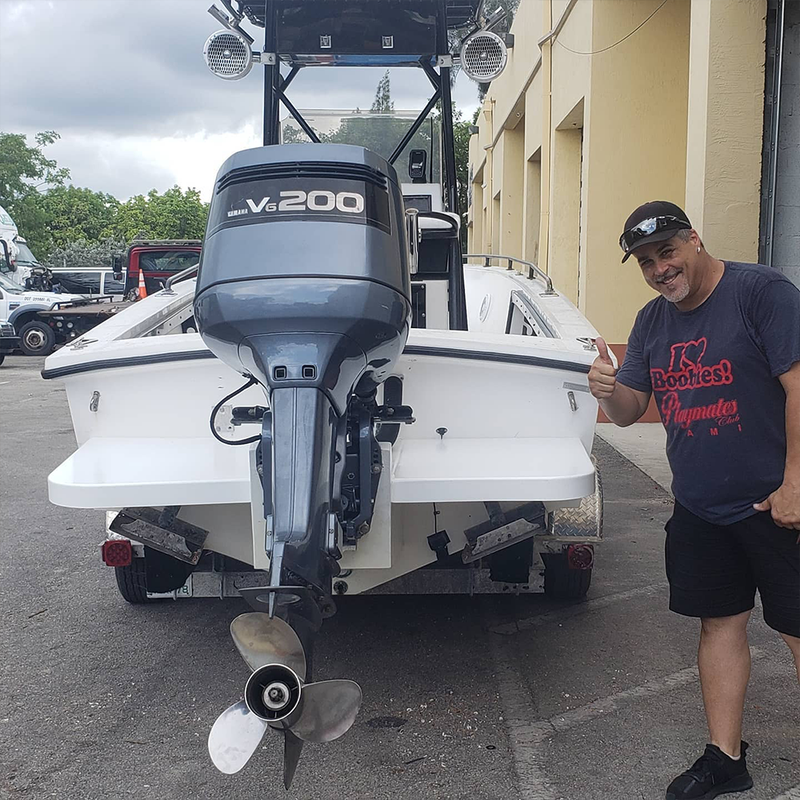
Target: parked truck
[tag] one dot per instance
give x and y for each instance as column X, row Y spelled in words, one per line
column 159, row 259
column 44, row 320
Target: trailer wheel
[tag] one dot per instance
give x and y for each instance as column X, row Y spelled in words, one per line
column 561, row 582
column 37, row 339
column 131, row 581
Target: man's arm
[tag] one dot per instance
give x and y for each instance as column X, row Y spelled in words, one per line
column 621, row 404
column 785, row 502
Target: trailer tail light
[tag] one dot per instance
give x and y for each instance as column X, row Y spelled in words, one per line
column 580, row 556
column 117, row 553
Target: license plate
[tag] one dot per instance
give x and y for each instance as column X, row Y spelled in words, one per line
column 183, row 591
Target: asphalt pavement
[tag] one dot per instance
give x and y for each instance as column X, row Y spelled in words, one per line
column 481, row 698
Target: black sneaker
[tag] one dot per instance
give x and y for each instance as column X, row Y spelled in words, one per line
column 713, row 774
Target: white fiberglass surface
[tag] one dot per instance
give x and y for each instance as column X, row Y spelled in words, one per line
column 489, row 291
column 458, row 470
column 129, row 331
column 172, row 399
column 115, row 473
column 489, row 400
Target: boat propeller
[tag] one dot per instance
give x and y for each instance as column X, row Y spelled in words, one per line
column 276, row 696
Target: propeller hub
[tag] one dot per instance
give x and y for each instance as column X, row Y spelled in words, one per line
column 273, row 692
column 276, row 696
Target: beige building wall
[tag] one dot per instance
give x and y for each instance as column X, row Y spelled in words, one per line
column 726, row 119
column 607, row 104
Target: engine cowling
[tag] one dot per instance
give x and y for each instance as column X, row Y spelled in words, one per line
column 304, row 278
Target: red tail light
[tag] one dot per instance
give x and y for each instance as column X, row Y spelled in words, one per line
column 117, row 553
column 580, row 556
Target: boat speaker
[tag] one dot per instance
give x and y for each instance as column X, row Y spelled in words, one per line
column 228, row 55
column 484, row 56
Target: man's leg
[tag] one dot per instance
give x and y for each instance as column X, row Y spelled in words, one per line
column 774, row 553
column 794, row 646
column 724, row 663
column 710, row 578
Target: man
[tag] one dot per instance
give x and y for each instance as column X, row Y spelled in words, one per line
column 720, row 349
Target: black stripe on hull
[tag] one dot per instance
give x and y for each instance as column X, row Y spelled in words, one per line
column 410, row 350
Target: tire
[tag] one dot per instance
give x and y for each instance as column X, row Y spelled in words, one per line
column 37, row 339
column 2, row 359
column 561, row 582
column 131, row 582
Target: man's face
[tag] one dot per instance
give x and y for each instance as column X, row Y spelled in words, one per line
column 671, row 267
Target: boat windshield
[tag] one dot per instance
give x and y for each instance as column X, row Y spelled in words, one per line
column 379, row 132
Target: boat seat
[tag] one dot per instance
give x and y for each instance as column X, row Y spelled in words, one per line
column 437, row 235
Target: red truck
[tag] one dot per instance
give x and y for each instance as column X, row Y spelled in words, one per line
column 158, row 259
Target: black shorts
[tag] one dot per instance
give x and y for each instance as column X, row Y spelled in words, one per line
column 714, row 570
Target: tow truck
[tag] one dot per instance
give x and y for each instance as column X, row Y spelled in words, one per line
column 45, row 320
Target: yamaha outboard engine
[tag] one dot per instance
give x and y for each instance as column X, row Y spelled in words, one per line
column 304, row 285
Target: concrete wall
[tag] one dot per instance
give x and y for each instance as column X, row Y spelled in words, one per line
column 601, row 118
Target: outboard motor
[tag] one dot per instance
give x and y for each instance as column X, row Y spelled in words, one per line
column 304, row 285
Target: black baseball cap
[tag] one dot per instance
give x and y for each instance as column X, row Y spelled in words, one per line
column 652, row 222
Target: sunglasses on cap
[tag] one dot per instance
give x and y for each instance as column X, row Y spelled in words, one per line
column 647, row 227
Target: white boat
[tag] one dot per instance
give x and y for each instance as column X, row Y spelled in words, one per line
column 499, row 418
column 411, row 419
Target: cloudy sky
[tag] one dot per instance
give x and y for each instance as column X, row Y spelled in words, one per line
column 125, row 84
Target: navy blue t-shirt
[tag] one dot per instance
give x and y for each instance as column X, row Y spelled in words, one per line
column 714, row 373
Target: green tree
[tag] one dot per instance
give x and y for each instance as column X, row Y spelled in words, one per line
column 175, row 214
column 382, row 134
column 75, row 214
column 81, row 253
column 25, row 172
column 382, row 104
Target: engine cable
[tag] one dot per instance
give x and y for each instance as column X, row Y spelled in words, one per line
column 219, row 405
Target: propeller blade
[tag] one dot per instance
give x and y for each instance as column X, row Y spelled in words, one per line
column 234, row 738
column 329, row 710
column 292, row 748
column 263, row 640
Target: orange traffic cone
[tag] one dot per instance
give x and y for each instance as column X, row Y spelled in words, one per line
column 142, row 287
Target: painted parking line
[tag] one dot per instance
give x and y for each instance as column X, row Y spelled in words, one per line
column 792, row 794
column 607, row 705
column 596, row 603
column 526, row 737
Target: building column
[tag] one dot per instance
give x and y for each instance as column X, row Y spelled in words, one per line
column 512, row 192
column 725, row 124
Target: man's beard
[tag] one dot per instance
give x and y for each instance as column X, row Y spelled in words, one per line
column 674, row 293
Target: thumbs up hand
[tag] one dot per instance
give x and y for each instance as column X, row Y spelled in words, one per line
column 603, row 374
